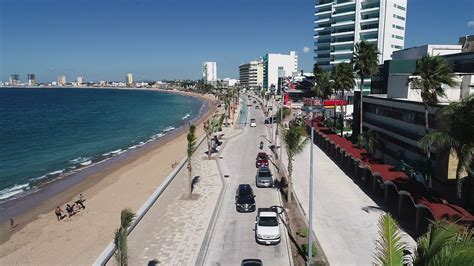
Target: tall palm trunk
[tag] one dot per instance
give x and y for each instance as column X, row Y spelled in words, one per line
column 190, row 179
column 343, row 114
column 428, row 152
column 361, row 104
column 290, row 178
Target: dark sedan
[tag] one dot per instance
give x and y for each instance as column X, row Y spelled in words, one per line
column 244, row 198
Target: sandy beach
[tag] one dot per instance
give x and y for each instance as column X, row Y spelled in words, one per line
column 40, row 239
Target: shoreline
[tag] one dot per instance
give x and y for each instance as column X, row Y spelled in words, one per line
column 94, row 180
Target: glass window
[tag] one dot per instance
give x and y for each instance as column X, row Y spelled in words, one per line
column 397, row 37
column 399, row 17
column 398, row 27
column 399, row 7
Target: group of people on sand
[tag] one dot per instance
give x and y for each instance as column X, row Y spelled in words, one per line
column 70, row 209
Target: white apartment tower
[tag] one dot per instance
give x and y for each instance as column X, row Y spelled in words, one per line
column 340, row 24
column 251, row 74
column 209, row 71
column 277, row 66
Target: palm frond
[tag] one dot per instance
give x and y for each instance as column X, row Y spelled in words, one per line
column 389, row 248
column 126, row 218
column 439, row 234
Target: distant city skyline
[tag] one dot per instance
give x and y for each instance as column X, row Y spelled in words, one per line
column 151, row 41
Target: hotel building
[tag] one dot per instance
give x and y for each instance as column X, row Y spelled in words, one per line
column 251, row 75
column 61, row 80
column 31, row 79
column 340, row 24
column 209, row 72
column 129, row 79
column 277, row 66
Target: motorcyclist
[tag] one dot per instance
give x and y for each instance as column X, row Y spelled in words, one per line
column 261, row 144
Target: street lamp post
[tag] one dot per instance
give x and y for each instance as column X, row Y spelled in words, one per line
column 312, row 109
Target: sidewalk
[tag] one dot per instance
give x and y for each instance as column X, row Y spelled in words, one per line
column 174, row 229
column 344, row 217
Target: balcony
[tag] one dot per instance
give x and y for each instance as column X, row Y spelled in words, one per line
column 322, row 20
column 373, row 30
column 341, row 52
column 337, row 61
column 343, row 14
column 342, row 43
column 338, row 34
column 343, row 23
column 323, row 12
column 370, row 10
column 343, row 3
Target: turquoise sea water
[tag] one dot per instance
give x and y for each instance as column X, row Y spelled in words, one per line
column 50, row 133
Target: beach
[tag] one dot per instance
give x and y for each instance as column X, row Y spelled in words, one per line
column 40, row 239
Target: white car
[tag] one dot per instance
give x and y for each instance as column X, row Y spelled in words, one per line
column 253, row 123
column 267, row 226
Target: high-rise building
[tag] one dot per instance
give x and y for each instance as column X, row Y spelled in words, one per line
column 209, row 71
column 14, row 80
column 251, row 75
column 276, row 66
column 340, row 24
column 80, row 80
column 31, row 79
column 467, row 43
column 129, row 79
column 61, row 80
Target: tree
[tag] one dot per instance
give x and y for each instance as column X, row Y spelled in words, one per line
column 208, row 130
column 388, row 248
column 343, row 76
column 294, row 138
column 323, row 86
column 191, row 137
column 445, row 243
column 365, row 65
column 455, row 136
column 430, row 74
column 367, row 140
column 120, row 240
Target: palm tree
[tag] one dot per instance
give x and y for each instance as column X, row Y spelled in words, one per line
column 430, row 74
column 295, row 138
column 191, row 137
column 208, row 130
column 389, row 248
column 343, row 76
column 367, row 140
column 456, row 136
column 445, row 243
column 365, row 65
column 323, row 86
column 120, row 240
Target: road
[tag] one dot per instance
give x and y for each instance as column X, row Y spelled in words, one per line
column 233, row 238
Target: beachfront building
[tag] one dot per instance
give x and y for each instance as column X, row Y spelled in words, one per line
column 61, row 80
column 467, row 43
column 80, row 80
column 209, row 72
column 278, row 66
column 396, row 112
column 340, row 24
column 129, row 80
column 251, row 75
column 14, row 80
column 31, row 79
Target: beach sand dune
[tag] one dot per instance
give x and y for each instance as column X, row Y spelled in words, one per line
column 80, row 239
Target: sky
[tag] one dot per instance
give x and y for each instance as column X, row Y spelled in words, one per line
column 169, row 39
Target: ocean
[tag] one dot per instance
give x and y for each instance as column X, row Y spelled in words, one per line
column 50, row 133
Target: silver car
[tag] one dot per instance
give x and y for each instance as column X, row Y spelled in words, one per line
column 264, row 177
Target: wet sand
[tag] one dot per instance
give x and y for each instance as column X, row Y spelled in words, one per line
column 121, row 183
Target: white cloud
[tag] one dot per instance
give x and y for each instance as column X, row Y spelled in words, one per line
column 470, row 24
column 306, row 48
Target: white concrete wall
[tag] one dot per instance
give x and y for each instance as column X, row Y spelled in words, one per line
column 386, row 29
column 288, row 62
column 431, row 49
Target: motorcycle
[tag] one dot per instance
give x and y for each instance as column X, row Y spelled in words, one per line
column 261, row 145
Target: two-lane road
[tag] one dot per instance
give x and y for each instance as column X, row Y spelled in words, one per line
column 233, row 238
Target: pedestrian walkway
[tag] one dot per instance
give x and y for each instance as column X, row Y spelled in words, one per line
column 174, row 229
column 344, row 217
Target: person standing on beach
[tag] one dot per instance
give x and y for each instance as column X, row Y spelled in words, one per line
column 59, row 213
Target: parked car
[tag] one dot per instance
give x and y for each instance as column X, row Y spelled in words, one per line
column 270, row 120
column 264, row 177
column 257, row 106
column 261, row 160
column 270, row 108
column 254, row 101
column 267, row 226
column 244, row 198
column 253, row 123
column 251, row 262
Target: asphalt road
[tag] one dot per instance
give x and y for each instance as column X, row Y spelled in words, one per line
column 233, row 238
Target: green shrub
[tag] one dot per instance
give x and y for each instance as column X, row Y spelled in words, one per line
column 304, row 247
column 303, row 232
